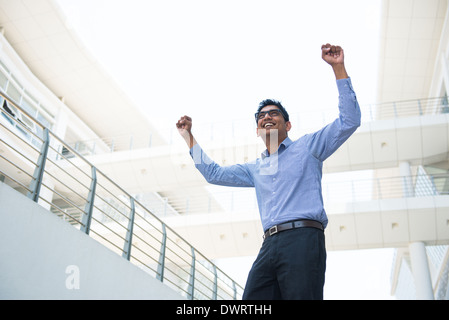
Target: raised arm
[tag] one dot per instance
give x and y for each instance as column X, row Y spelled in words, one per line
column 237, row 175
column 326, row 141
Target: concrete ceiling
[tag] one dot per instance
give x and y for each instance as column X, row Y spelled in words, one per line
column 410, row 37
column 39, row 33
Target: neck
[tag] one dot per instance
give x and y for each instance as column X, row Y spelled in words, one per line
column 273, row 140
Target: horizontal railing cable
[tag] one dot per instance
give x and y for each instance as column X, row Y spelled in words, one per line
column 305, row 121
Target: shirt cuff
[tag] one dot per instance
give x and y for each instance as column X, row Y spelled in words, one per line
column 344, row 86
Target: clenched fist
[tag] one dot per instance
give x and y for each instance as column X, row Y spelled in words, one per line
column 334, row 55
column 184, row 126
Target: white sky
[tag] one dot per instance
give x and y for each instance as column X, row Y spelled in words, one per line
column 197, row 57
column 200, row 56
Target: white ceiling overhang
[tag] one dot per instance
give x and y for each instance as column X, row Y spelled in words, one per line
column 39, row 33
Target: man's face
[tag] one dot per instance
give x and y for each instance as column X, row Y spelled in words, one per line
column 270, row 120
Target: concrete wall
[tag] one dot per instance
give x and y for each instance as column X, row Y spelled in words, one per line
column 43, row 257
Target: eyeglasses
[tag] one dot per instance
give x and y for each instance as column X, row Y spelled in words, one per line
column 272, row 113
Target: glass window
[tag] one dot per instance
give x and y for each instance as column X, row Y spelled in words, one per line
column 48, row 115
column 13, row 93
column 10, row 109
column 3, row 80
column 28, row 107
column 44, row 121
column 4, row 67
column 27, row 122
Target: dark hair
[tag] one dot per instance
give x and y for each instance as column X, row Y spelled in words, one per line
column 272, row 102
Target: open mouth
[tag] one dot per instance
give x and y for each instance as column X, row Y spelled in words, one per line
column 268, row 125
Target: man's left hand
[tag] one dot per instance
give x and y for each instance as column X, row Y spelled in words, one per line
column 334, row 55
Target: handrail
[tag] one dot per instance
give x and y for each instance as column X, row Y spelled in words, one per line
column 37, row 165
column 304, row 122
column 347, row 190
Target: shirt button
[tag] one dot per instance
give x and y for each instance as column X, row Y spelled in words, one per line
column 274, row 192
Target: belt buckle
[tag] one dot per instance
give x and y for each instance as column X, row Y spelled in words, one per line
column 273, row 230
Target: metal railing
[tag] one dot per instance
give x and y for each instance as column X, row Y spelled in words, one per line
column 352, row 188
column 37, row 165
column 303, row 122
column 413, row 186
column 410, row 108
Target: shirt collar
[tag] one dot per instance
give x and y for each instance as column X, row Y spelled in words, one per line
column 287, row 141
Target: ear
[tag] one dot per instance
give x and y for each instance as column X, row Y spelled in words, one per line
column 288, row 125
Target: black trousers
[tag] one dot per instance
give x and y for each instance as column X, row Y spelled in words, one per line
column 290, row 265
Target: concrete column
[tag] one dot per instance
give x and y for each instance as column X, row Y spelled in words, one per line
column 421, row 272
column 445, row 70
column 407, row 182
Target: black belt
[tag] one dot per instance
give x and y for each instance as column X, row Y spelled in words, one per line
column 293, row 225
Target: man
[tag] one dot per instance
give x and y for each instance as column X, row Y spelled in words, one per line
column 287, row 178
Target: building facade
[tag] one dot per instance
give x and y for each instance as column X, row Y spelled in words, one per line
column 403, row 144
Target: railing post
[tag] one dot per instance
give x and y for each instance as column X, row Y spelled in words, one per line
column 161, row 265
column 419, row 107
column 36, row 184
column 192, row 275
column 88, row 209
column 434, row 188
column 129, row 234
column 379, row 191
column 407, row 181
column 235, row 290
column 214, row 293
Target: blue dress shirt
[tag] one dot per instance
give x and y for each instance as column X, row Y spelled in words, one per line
column 288, row 183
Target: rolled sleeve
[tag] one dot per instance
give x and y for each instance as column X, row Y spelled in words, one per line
column 238, row 175
column 349, row 107
column 326, row 141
